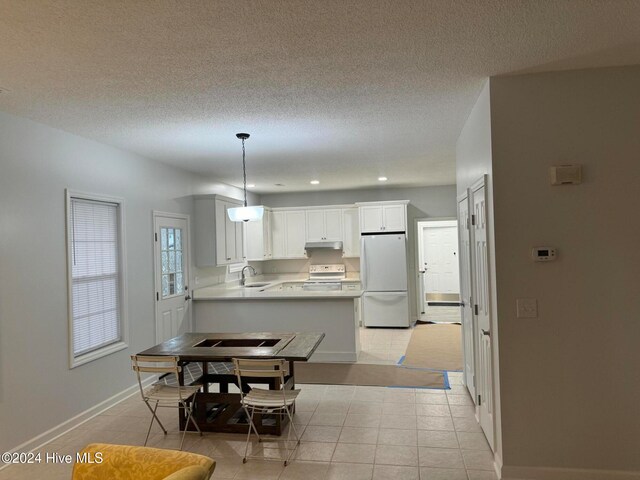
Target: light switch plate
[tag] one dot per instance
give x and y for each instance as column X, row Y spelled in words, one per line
column 527, row 307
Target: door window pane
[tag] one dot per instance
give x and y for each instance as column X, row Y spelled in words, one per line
column 172, row 262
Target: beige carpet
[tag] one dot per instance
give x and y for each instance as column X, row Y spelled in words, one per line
column 366, row 374
column 436, row 346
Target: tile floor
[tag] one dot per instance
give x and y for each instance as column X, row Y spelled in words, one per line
column 347, row 433
column 354, row 433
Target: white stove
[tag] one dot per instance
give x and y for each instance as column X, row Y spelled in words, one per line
column 325, row 277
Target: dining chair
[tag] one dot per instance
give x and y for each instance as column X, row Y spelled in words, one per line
column 258, row 400
column 162, row 395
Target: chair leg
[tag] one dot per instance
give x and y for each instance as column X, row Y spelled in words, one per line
column 251, row 426
column 186, row 423
column 154, row 417
column 295, row 432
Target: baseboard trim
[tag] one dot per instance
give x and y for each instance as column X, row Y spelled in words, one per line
column 41, row 440
column 550, row 473
column 497, row 464
column 334, row 357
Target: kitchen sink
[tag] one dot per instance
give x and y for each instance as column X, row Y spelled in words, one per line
column 256, row 285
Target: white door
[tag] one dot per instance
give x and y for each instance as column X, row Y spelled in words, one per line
column 468, row 336
column 171, row 268
column 481, row 299
column 441, row 259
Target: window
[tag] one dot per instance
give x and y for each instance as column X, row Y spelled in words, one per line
column 97, row 324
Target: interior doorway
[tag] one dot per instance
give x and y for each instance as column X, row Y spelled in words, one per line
column 439, row 286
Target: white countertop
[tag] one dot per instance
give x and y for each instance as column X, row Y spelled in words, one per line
column 233, row 291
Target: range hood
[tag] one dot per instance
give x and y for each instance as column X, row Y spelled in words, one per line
column 323, row 245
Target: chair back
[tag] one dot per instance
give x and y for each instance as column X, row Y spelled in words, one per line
column 154, row 364
column 270, row 368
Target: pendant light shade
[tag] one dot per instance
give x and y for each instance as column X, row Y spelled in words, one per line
column 245, row 213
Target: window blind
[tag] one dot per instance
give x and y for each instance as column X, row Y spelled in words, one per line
column 95, row 273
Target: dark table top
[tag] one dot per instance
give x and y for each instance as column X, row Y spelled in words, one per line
column 220, row 347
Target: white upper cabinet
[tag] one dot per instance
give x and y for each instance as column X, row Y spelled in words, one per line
column 351, row 232
column 258, row 238
column 219, row 241
column 324, row 225
column 288, row 228
column 383, row 217
column 296, row 234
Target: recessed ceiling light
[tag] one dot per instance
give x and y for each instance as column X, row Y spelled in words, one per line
column 315, row 182
column 251, row 185
column 382, row 179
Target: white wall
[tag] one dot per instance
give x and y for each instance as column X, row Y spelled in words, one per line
column 426, row 202
column 570, row 382
column 37, row 163
column 473, row 160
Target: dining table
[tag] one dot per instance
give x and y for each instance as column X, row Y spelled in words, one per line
column 206, row 360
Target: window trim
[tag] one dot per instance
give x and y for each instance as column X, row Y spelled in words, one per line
column 124, row 319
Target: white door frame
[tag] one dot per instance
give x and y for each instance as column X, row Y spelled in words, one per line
column 186, row 254
column 418, row 254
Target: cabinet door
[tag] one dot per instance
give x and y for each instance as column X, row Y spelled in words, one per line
column 231, row 255
column 267, row 235
column 394, row 217
column 371, row 218
column 278, row 234
column 221, row 233
column 240, row 254
column 254, row 234
column 333, row 225
column 295, row 233
column 351, row 232
column 315, row 226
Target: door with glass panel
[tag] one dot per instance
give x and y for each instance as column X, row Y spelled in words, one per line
column 171, row 251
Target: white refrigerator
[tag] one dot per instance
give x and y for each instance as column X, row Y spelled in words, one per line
column 383, row 273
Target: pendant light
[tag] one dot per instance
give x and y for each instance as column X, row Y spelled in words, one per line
column 245, row 214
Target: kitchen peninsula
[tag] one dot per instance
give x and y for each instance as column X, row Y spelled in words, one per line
column 278, row 305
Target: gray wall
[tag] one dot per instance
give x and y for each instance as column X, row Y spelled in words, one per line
column 426, row 202
column 429, row 201
column 569, row 378
column 37, row 163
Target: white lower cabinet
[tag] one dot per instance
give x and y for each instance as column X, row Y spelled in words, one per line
column 292, row 286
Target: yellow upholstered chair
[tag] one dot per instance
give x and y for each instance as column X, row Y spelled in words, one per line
column 126, row 462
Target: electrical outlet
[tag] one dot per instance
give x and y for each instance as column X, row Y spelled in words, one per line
column 527, row 307
column 197, row 280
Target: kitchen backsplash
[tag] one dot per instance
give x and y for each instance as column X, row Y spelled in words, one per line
column 207, row 276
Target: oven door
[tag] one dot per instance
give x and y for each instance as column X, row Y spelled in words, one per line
column 321, row 286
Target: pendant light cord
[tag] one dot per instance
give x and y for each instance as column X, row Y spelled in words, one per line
column 244, row 174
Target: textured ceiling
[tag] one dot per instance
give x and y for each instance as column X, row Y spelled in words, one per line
column 341, row 91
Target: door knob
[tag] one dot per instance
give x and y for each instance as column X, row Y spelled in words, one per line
column 485, row 332
column 187, row 297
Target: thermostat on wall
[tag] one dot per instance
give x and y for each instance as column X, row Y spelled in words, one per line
column 543, row 254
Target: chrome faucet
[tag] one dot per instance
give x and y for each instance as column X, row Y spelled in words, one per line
column 243, row 279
